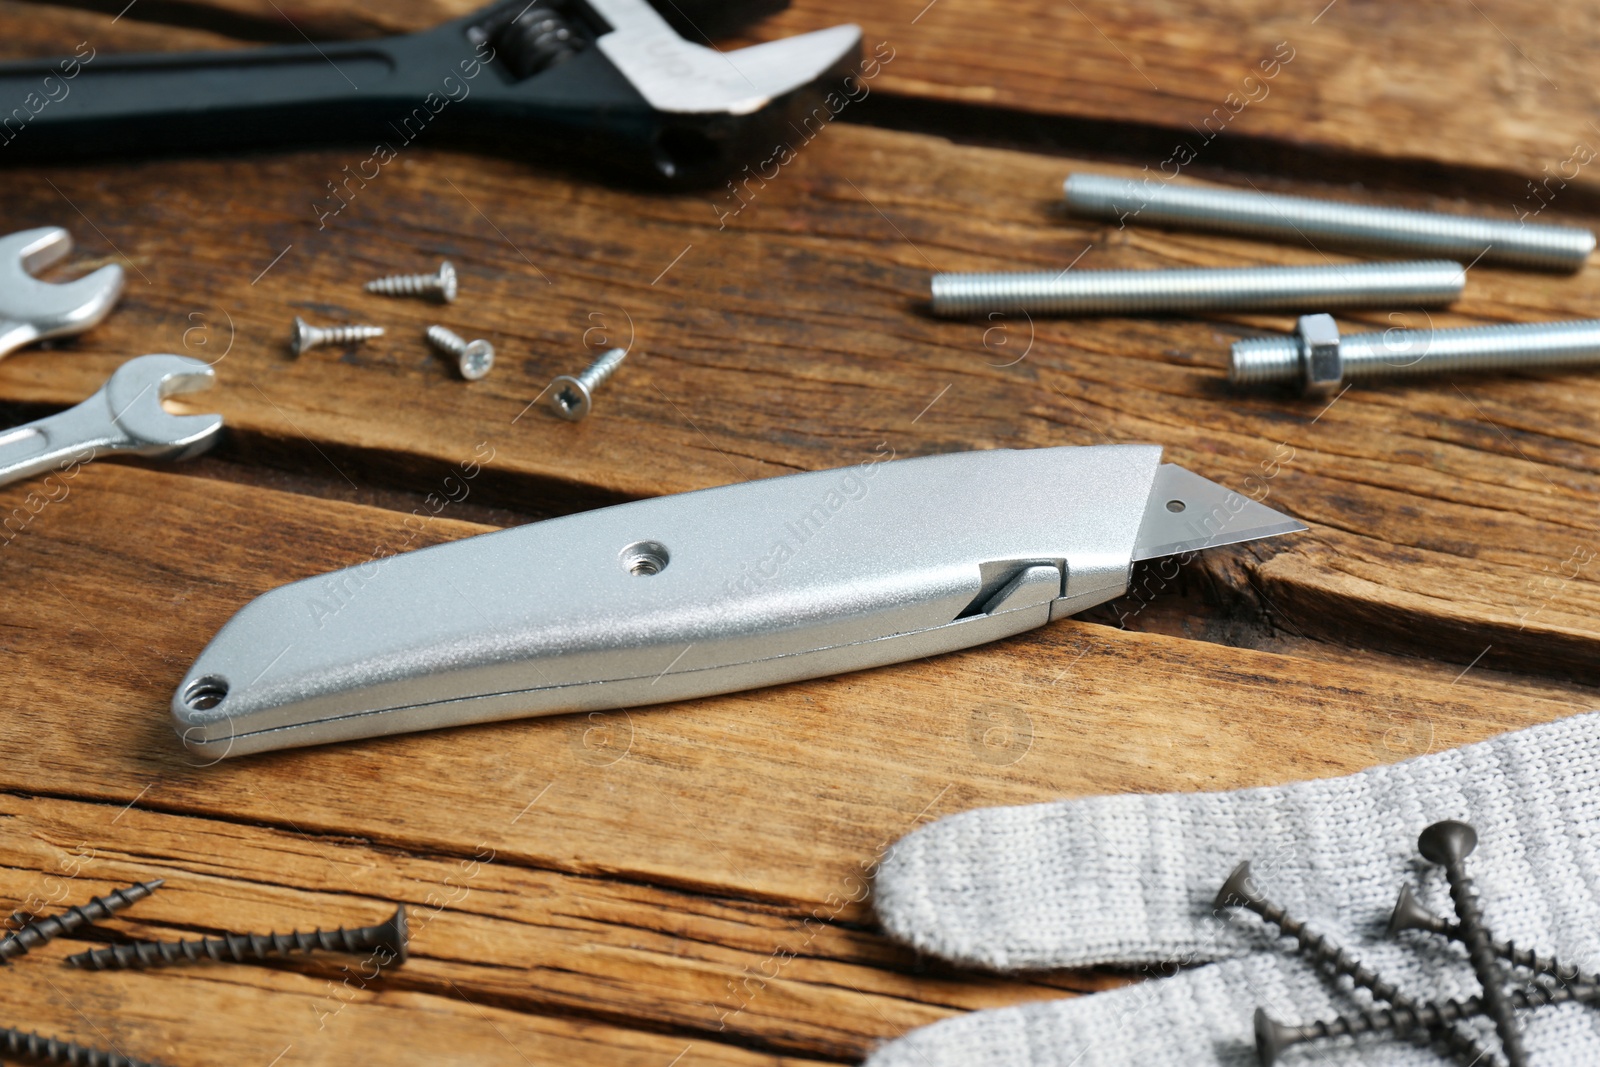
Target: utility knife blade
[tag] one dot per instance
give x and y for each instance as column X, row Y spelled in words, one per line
column 706, row 592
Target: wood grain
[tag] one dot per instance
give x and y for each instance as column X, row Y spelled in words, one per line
column 1500, row 86
column 791, row 339
column 634, row 866
column 686, row 884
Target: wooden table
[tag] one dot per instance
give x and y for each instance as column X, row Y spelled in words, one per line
column 685, row 884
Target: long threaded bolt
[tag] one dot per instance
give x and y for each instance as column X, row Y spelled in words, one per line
column 387, row 937
column 1116, row 292
column 473, row 358
column 305, row 336
column 1273, row 1038
column 441, row 284
column 38, row 931
column 1240, row 891
column 572, row 397
column 1329, row 223
column 1448, row 844
column 53, row 1050
column 1409, row 914
column 1319, row 360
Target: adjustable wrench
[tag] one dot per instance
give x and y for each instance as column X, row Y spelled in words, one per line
column 610, row 81
column 125, row 417
column 32, row 310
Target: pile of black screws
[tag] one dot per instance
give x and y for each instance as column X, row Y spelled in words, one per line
column 386, row 942
column 1432, row 1024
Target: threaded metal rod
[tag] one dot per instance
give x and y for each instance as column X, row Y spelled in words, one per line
column 1329, row 223
column 53, row 1050
column 1412, row 353
column 1111, row 292
column 38, row 931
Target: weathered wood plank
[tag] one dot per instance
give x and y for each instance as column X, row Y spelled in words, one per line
column 649, row 865
column 791, row 339
column 484, row 931
column 91, row 582
column 1500, row 85
column 730, row 822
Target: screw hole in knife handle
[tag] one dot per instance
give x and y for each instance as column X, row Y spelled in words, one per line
column 707, row 592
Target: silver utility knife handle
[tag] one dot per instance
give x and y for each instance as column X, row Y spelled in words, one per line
column 706, row 592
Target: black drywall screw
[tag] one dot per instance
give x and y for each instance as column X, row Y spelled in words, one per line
column 1240, row 891
column 1409, row 914
column 1274, row 1037
column 35, row 932
column 53, row 1050
column 1448, row 844
column 388, row 937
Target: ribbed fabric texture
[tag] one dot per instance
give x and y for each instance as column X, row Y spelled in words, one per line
column 1131, row 879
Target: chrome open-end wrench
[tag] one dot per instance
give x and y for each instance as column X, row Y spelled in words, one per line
column 32, row 310
column 124, row 417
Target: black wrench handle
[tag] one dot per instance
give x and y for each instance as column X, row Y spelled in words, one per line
column 90, row 104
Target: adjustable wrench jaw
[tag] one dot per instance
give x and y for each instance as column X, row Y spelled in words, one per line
column 32, row 310
column 607, row 83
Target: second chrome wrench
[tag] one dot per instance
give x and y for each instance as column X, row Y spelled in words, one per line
column 124, row 416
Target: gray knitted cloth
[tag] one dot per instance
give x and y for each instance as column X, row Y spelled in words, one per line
column 1130, row 880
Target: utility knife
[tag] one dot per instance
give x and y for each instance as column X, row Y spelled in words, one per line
column 707, row 592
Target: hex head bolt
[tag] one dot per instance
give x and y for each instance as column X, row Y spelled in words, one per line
column 36, row 931
column 1121, row 292
column 15, row 1042
column 1448, row 844
column 1409, row 914
column 441, row 283
column 389, row 937
column 1329, row 223
column 572, row 397
column 1240, row 891
column 304, row 337
column 473, row 358
column 1318, row 360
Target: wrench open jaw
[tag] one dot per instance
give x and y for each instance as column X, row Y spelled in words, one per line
column 602, row 82
column 33, row 310
column 125, row 416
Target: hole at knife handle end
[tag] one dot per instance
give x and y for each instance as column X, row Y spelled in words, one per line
column 1175, row 505
column 205, row 693
column 644, row 558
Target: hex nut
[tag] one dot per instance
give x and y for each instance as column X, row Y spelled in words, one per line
column 1321, row 368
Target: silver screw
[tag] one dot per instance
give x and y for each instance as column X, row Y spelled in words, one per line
column 473, row 357
column 1113, row 292
column 1331, row 223
column 571, row 397
column 442, row 284
column 1320, row 360
column 305, row 336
